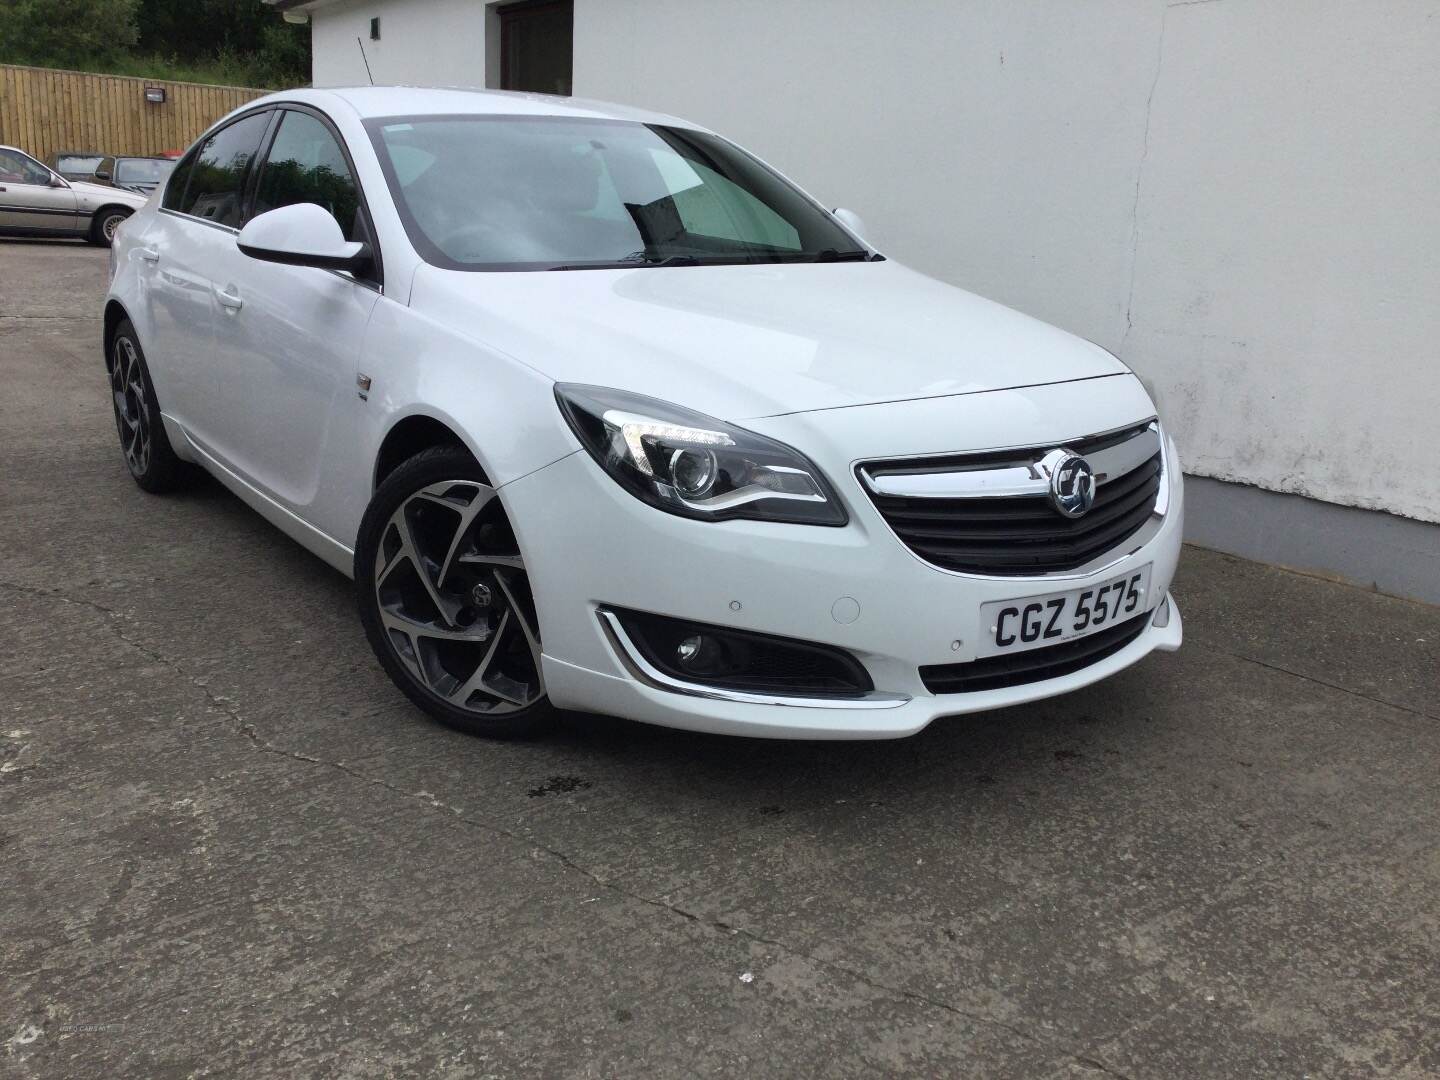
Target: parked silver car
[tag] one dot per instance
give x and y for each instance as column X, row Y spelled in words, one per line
column 37, row 201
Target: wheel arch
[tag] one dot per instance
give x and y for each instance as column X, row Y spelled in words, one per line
column 412, row 434
column 98, row 215
column 115, row 314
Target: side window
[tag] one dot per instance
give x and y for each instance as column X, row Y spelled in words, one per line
column 179, row 178
column 216, row 188
column 306, row 165
column 18, row 168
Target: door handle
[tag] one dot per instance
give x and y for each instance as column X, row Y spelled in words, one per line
column 150, row 255
column 229, row 300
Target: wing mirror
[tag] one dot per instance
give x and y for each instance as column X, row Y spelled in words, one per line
column 302, row 234
column 55, row 180
column 852, row 222
column 102, row 174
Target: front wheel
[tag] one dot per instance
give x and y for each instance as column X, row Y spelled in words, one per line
column 445, row 599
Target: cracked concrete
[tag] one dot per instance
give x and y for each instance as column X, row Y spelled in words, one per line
column 233, row 850
column 1140, row 176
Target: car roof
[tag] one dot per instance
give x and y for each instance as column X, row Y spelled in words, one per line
column 379, row 101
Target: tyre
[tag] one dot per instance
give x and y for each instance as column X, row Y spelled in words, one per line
column 102, row 229
column 148, row 454
column 445, row 599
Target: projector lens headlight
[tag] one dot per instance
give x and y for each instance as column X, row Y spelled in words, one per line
column 693, row 472
column 690, row 464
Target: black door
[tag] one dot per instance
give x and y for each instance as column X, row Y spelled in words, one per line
column 536, row 42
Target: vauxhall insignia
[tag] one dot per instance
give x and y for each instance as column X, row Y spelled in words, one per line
column 1072, row 483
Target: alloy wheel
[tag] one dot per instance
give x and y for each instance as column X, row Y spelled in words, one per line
column 455, row 602
column 132, row 414
column 109, row 225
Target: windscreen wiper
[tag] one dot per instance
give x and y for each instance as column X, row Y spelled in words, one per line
column 625, row 264
column 672, row 260
column 834, row 255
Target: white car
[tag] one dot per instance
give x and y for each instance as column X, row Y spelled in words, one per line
column 36, row 201
column 602, row 413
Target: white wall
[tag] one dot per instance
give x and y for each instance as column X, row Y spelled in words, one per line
column 422, row 42
column 1240, row 197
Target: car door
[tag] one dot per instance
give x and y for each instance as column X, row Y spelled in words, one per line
column 200, row 215
column 288, row 337
column 29, row 202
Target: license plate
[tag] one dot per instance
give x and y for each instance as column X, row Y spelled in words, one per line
column 1032, row 622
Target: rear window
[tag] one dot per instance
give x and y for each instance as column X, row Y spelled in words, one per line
column 214, row 185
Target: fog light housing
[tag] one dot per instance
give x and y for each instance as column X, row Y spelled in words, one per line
column 700, row 654
column 1162, row 614
column 729, row 659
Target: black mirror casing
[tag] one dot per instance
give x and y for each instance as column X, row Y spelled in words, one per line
column 353, row 264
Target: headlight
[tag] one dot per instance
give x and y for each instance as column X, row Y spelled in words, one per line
column 693, row 465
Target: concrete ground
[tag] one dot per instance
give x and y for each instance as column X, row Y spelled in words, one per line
column 230, row 848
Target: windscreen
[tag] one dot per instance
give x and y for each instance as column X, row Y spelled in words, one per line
column 77, row 164
column 544, row 193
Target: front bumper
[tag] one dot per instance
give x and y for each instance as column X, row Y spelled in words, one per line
column 589, row 545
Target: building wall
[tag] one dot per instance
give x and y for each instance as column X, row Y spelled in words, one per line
column 1238, row 197
column 422, row 42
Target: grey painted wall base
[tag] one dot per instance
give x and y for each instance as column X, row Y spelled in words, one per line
column 1395, row 555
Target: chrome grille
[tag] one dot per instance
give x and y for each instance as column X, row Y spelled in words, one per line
column 991, row 513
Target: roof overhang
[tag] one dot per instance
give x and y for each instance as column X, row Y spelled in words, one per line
column 298, row 10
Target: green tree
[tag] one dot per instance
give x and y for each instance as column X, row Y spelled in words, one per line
column 235, row 41
column 66, row 33
column 191, row 30
column 243, row 32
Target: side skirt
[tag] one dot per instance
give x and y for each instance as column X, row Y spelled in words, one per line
column 31, row 230
column 321, row 544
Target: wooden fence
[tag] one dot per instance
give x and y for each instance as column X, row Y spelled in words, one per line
column 43, row 111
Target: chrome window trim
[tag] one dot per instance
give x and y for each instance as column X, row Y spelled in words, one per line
column 647, row 673
column 201, row 221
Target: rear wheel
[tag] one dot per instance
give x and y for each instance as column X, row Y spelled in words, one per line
column 445, row 598
column 102, row 229
column 143, row 441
